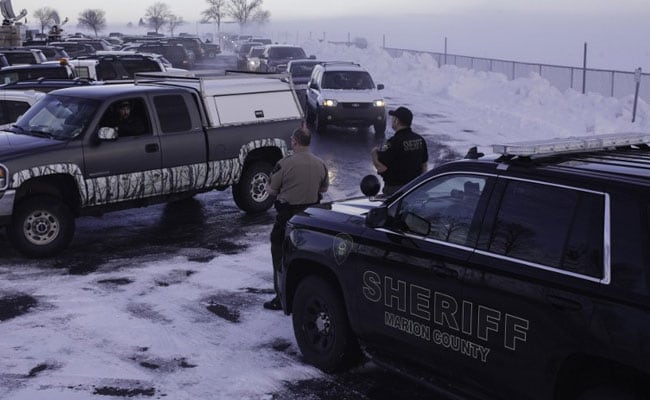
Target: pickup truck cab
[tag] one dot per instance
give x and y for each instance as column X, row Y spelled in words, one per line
column 73, row 153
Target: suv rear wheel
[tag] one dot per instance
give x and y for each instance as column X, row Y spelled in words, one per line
column 321, row 326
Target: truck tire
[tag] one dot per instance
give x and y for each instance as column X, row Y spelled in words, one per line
column 250, row 192
column 41, row 226
column 321, row 326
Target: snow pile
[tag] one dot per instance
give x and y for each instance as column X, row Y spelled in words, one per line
column 489, row 107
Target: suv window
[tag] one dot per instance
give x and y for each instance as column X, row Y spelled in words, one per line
column 565, row 233
column 349, row 80
column 172, row 113
column 448, row 203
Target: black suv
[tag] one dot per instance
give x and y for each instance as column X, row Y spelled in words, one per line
column 519, row 276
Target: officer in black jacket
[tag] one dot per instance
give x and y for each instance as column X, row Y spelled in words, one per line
column 297, row 181
column 404, row 156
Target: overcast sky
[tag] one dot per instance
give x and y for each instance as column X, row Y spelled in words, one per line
column 130, row 11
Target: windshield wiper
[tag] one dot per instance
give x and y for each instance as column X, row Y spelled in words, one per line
column 42, row 134
column 18, row 129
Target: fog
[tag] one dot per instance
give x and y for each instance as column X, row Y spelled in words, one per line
column 615, row 41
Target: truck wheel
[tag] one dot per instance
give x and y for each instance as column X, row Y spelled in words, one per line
column 250, row 193
column 42, row 226
column 321, row 326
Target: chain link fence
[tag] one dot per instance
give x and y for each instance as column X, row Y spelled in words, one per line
column 610, row 83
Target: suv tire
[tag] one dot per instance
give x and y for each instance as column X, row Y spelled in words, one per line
column 380, row 128
column 319, row 123
column 42, row 226
column 322, row 329
column 250, row 192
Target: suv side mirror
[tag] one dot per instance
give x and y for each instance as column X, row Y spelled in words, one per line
column 313, row 85
column 312, row 57
column 380, row 86
column 377, row 217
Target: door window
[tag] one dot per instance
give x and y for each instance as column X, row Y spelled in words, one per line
column 550, row 225
column 448, row 203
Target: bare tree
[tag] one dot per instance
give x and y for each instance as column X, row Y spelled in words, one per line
column 173, row 22
column 244, row 11
column 45, row 17
column 94, row 19
column 261, row 16
column 157, row 15
column 215, row 12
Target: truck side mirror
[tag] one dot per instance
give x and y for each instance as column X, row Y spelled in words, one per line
column 312, row 57
column 107, row 133
column 380, row 86
column 313, row 85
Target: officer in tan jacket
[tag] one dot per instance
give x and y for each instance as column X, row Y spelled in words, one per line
column 297, row 182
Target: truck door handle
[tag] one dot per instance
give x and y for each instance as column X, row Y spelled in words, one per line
column 444, row 272
column 151, row 148
column 563, row 303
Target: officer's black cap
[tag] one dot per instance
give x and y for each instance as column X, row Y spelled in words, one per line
column 404, row 115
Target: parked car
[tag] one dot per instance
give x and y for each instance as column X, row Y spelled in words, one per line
column 344, row 94
column 49, row 69
column 52, row 53
column 22, row 55
column 253, row 58
column 300, row 72
column 75, row 49
column 116, row 66
column 177, row 54
column 14, row 103
column 242, row 54
column 521, row 275
column 276, row 57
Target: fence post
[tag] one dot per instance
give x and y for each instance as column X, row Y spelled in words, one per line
column 445, row 60
column 637, row 79
column 584, row 70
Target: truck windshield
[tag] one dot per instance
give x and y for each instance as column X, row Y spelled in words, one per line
column 57, row 117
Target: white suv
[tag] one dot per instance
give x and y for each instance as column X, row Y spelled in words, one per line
column 344, row 94
column 14, row 103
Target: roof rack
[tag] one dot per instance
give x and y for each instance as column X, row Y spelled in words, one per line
column 340, row 63
column 571, row 145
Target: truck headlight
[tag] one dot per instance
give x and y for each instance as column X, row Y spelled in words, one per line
column 329, row 103
column 379, row 103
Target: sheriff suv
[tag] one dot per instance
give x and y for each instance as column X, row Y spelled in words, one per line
column 518, row 276
column 344, row 94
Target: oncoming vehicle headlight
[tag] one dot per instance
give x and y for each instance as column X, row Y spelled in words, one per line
column 329, row 103
column 379, row 103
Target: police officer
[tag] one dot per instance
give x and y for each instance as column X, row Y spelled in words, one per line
column 405, row 154
column 297, row 181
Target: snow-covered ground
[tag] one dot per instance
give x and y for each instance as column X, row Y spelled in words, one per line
column 192, row 327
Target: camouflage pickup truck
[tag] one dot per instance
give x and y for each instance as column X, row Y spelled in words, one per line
column 75, row 152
